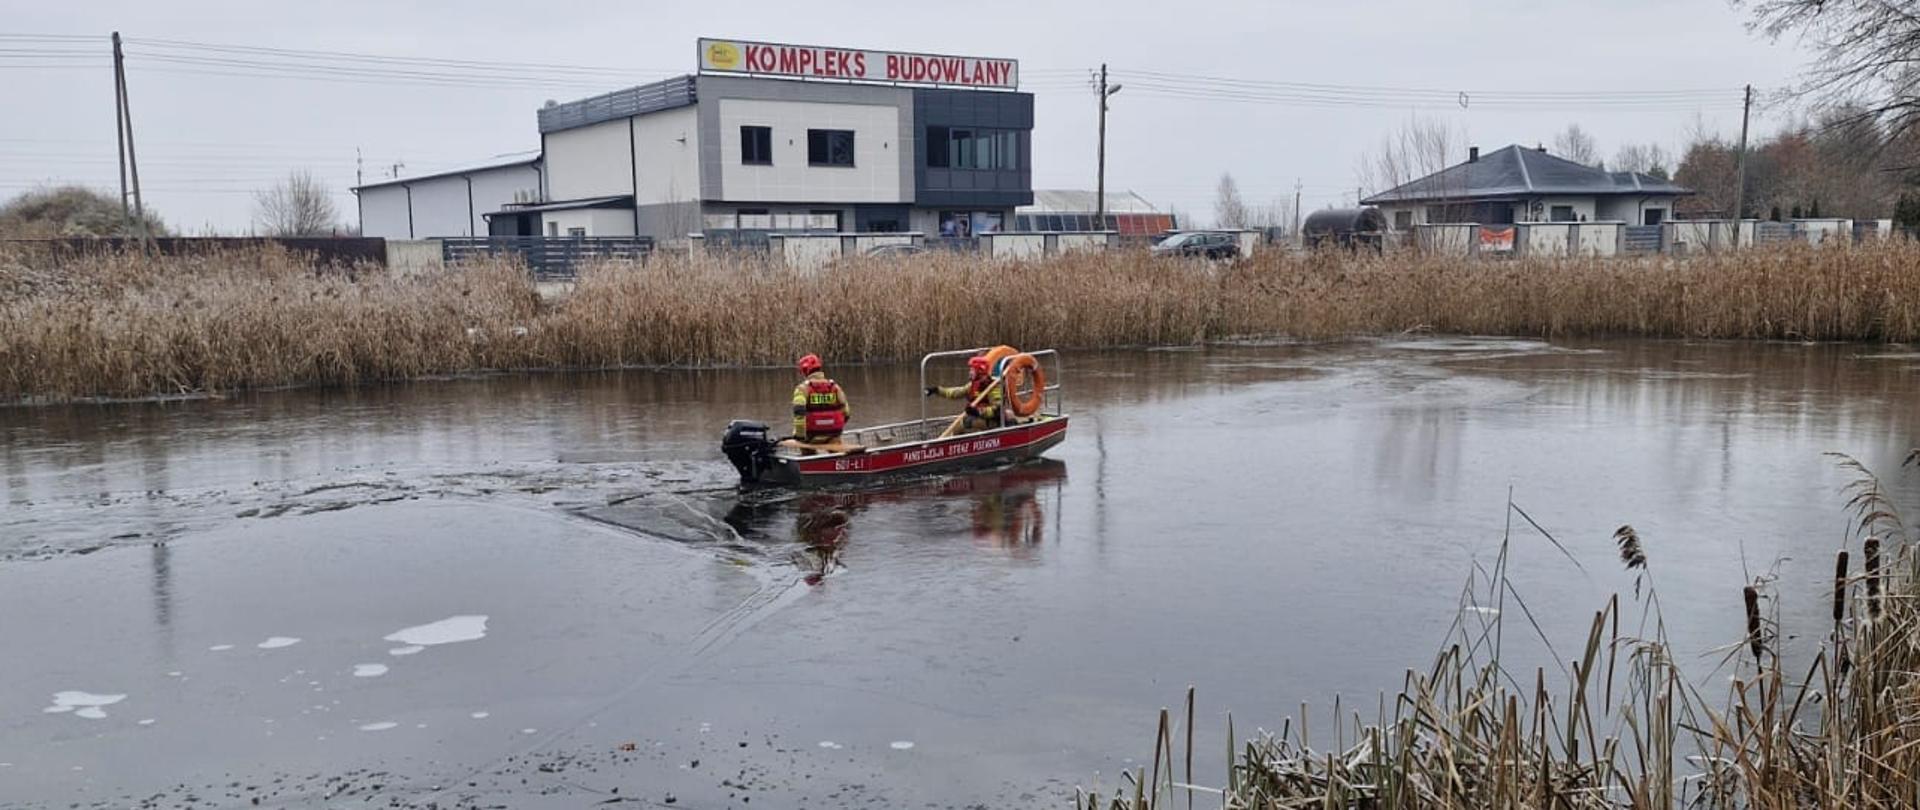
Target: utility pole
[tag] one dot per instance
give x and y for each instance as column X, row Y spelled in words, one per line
column 120, row 137
column 1740, row 187
column 124, row 113
column 1296, row 212
column 1100, row 184
column 359, row 168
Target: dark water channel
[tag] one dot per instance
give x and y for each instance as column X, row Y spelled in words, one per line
column 539, row 590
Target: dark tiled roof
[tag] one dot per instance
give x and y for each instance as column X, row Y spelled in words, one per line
column 1516, row 171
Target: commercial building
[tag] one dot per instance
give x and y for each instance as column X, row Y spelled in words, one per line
column 1518, row 184
column 764, row 138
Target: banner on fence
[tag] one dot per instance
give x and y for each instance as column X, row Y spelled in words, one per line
column 1496, row 240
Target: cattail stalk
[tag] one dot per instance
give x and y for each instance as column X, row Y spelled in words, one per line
column 1755, row 641
column 1839, row 590
column 1872, row 549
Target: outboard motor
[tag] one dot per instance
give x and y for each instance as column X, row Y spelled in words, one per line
column 747, row 446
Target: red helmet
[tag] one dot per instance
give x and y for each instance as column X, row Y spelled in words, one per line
column 810, row 364
column 978, row 364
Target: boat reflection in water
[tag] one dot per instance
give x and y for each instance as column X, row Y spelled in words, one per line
column 1006, row 511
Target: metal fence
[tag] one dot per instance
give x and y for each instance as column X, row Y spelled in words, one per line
column 549, row 258
column 956, row 244
column 1771, row 232
column 1641, row 239
column 320, row 250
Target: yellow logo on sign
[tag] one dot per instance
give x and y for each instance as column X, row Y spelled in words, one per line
column 723, row 56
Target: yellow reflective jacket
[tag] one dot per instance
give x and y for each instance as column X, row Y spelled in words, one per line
column 988, row 409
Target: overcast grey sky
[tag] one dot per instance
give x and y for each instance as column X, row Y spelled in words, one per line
column 214, row 125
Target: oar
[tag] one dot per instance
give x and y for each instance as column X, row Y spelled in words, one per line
column 961, row 419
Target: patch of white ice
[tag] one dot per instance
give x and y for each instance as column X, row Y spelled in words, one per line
column 220, row 648
column 831, row 745
column 446, row 631
column 147, row 722
column 276, row 642
column 479, row 715
column 404, row 650
column 369, row 670
column 901, row 745
column 382, row 726
column 82, row 704
column 529, row 730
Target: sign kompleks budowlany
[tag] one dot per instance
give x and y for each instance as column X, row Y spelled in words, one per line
column 815, row 62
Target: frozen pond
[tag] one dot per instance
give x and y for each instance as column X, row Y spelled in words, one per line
column 537, row 590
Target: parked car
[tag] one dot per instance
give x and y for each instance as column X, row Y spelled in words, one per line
column 1199, row 244
column 895, row 251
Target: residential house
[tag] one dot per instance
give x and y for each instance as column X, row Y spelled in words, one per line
column 1520, row 184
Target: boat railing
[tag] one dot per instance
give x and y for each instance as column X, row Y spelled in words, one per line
column 1051, row 365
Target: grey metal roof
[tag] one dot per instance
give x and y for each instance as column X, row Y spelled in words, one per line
column 665, row 94
column 621, row 201
column 452, row 173
column 1083, row 202
column 1517, row 171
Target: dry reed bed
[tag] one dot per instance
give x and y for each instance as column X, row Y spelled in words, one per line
column 1621, row 727
column 127, row 326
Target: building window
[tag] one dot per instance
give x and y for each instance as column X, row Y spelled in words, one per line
column 939, row 148
column 756, row 146
column 963, row 224
column 553, row 229
column 823, row 221
column 1560, row 213
column 1403, row 220
column 755, row 219
column 830, row 147
column 577, row 233
column 1653, row 216
column 955, row 148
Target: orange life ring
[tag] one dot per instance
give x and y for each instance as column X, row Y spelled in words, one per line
column 997, row 354
column 1022, row 369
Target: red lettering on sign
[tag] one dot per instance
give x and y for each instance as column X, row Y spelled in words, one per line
column 860, row 64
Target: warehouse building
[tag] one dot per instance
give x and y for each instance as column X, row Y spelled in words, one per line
column 765, row 138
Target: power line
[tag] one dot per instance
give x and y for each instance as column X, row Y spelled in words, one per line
column 1449, row 95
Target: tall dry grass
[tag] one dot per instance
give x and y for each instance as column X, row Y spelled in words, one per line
column 1621, row 727
column 129, row 326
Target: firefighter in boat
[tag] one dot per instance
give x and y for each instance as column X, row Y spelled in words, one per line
column 819, row 406
column 983, row 412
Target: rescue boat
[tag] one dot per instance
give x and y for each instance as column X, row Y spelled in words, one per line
column 929, row 445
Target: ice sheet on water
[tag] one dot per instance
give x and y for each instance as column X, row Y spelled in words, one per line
column 82, row 704
column 381, row 726
column 369, row 670
column 276, row 642
column 450, row 630
column 404, row 650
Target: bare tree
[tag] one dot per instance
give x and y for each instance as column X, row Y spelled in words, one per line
column 1276, row 214
column 1573, row 143
column 300, row 205
column 1651, row 158
column 1229, row 211
column 1868, row 50
column 1420, row 147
